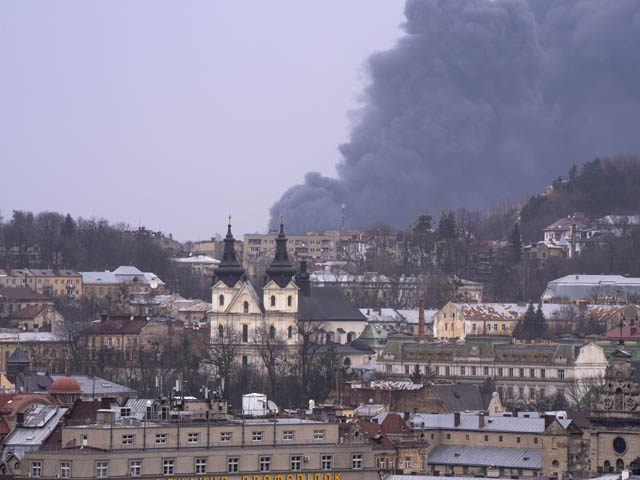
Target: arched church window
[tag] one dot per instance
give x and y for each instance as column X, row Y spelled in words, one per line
column 221, row 300
column 273, row 300
column 272, row 331
column 246, row 307
column 290, row 331
column 289, row 300
column 607, row 466
column 220, row 330
column 619, row 465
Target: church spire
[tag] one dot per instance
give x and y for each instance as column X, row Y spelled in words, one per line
column 229, row 271
column 281, row 270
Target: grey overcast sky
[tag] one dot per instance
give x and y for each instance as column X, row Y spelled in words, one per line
column 178, row 113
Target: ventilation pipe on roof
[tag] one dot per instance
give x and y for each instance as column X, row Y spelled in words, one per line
column 421, row 321
column 456, row 419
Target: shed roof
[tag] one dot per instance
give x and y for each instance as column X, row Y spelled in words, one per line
column 508, row 457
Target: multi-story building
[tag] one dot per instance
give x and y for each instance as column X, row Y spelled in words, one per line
column 314, row 246
column 124, row 280
column 259, row 449
column 522, row 373
column 202, row 265
column 500, row 444
column 585, row 289
column 55, row 282
column 15, row 299
column 43, row 351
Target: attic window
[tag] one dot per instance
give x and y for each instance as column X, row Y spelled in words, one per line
column 246, row 307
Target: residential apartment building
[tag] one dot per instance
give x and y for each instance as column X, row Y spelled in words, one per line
column 232, row 449
column 314, row 246
column 522, row 373
column 49, row 282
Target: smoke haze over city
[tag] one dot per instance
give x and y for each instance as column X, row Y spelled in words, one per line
column 478, row 102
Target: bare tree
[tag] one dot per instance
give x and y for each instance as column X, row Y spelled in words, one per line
column 272, row 350
column 311, row 336
column 222, row 352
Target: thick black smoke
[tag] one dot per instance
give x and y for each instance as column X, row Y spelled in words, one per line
column 481, row 101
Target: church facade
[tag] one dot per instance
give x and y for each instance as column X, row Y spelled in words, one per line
column 286, row 304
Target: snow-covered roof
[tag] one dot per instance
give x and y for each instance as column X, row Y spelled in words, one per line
column 99, row 277
column 579, row 286
column 29, row 337
column 197, row 259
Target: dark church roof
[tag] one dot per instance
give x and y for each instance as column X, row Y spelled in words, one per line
column 229, row 271
column 461, row 397
column 281, row 270
column 18, row 357
column 327, row 304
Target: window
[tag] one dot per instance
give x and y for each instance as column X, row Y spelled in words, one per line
column 561, row 373
column 225, row 436
column 326, row 462
column 500, row 372
column 388, row 368
column 511, row 372
column 504, row 327
column 256, row 436
column 473, row 327
column 290, row 332
column 532, row 372
column 448, row 436
column 318, row 434
column 220, row 331
column 245, row 360
column 447, row 371
column 517, row 439
column 522, row 372
column 36, row 468
column 542, row 373
column 356, row 461
column 473, row 371
column 161, row 438
column 272, row 331
column 406, row 369
column 495, row 327
column 65, row 469
column 535, row 440
column 521, row 392
column 463, row 370
column 542, row 393
column 382, row 463
column 135, row 468
column 499, row 438
column 264, row 464
column 193, row 437
column 245, row 333
column 128, row 439
column 201, row 465
column 289, row 301
column 407, row 462
column 486, row 438
column 168, row 466
column 486, row 371
column 467, row 436
column 287, row 435
column 296, row 463
column 245, row 307
column 273, row 300
column 102, row 469
column 233, row 464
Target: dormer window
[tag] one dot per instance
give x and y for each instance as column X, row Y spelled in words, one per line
column 221, row 300
column 273, row 300
column 289, row 300
column 246, row 307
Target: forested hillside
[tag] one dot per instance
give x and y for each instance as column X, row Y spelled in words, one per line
column 598, row 188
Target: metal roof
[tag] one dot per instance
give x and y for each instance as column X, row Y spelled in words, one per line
column 44, row 419
column 590, row 286
column 508, row 457
column 101, row 387
column 445, row 421
column 29, row 337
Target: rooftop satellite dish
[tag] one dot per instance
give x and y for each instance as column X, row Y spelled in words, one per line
column 272, row 406
column 153, row 283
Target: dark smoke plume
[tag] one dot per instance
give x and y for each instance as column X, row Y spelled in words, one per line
column 481, row 101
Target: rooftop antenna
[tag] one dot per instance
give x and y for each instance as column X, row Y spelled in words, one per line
column 343, row 207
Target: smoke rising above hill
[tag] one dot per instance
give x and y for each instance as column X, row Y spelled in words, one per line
column 480, row 101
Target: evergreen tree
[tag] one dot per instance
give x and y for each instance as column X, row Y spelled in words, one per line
column 514, row 239
column 529, row 323
column 416, row 375
column 540, row 322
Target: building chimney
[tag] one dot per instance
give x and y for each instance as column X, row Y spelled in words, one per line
column 572, row 252
column 481, row 420
column 421, row 321
column 456, row 419
column 302, row 279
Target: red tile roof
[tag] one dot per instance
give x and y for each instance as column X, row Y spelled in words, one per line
column 21, row 293
column 628, row 331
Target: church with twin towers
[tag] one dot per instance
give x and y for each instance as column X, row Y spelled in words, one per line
column 288, row 301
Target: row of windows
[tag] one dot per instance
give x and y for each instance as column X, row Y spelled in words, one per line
column 245, row 305
column 473, row 370
column 200, row 465
column 487, row 438
column 194, row 437
column 245, row 332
